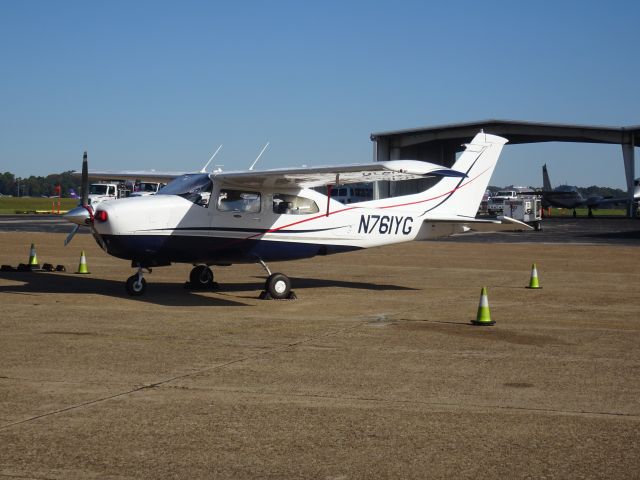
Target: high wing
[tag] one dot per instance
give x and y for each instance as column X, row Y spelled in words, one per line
column 308, row 177
column 144, row 175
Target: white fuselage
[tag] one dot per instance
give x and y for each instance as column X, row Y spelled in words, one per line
column 167, row 228
column 223, row 218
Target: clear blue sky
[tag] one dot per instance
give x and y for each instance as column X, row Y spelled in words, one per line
column 158, row 84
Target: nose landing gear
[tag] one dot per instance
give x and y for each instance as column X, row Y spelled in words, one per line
column 136, row 284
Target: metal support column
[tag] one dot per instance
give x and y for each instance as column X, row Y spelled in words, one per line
column 381, row 154
column 628, row 154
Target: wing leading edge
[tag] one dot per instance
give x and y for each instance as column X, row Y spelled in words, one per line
column 144, row 175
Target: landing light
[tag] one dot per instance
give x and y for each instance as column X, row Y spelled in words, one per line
column 101, row 216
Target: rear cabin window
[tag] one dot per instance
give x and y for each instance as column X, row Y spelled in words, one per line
column 293, row 205
column 238, row 201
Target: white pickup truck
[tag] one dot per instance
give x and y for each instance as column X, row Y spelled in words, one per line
column 99, row 192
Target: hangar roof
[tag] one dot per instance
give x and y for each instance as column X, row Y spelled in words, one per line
column 515, row 131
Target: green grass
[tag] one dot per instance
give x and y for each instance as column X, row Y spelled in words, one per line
column 13, row 205
column 583, row 212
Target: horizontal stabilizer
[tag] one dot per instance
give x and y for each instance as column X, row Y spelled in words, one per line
column 500, row 224
column 437, row 227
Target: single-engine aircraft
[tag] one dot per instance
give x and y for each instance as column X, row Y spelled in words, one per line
column 221, row 218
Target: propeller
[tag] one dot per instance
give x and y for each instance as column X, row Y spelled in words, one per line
column 82, row 214
column 84, row 187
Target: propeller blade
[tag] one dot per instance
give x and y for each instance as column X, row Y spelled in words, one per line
column 85, row 180
column 71, row 234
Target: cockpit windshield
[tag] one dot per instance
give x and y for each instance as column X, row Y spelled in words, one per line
column 195, row 187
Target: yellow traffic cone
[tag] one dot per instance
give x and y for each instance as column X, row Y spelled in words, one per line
column 82, row 268
column 533, row 282
column 33, row 258
column 484, row 315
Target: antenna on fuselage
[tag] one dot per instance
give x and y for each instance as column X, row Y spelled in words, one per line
column 204, row 169
column 258, row 157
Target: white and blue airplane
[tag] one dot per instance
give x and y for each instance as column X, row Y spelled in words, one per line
column 222, row 218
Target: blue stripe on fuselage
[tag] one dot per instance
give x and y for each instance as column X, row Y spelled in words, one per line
column 162, row 249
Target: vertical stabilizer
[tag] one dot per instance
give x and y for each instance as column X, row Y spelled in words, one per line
column 454, row 196
column 462, row 197
column 546, row 183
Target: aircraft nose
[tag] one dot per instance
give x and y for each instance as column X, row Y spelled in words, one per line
column 79, row 215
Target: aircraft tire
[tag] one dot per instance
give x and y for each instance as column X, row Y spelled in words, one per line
column 201, row 276
column 134, row 287
column 278, row 285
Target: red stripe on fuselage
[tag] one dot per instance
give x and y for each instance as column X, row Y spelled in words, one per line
column 324, row 215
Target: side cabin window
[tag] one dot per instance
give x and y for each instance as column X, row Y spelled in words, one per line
column 293, row 205
column 238, row 201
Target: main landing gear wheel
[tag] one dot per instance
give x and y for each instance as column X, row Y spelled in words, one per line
column 278, row 287
column 136, row 285
column 201, row 278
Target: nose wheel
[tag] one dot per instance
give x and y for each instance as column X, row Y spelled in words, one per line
column 136, row 284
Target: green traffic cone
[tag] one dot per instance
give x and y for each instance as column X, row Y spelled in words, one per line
column 533, row 282
column 33, row 258
column 82, row 268
column 484, row 315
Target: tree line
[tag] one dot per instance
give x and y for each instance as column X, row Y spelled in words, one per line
column 38, row 186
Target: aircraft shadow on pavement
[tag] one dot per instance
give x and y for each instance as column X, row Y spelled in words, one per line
column 169, row 294
column 301, row 283
column 157, row 293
